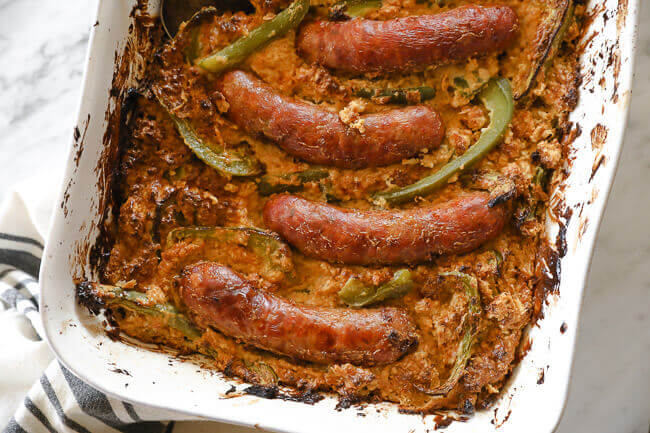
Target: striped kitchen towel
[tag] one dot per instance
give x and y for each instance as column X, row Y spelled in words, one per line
column 37, row 393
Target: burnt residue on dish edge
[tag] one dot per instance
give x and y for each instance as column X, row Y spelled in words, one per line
column 130, row 67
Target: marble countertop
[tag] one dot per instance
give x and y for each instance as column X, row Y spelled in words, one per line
column 42, row 51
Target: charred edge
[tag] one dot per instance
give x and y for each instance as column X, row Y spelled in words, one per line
column 100, row 251
column 86, row 296
column 268, row 392
column 536, row 157
column 229, row 369
column 309, row 396
column 442, row 422
column 486, row 402
column 403, row 343
column 202, row 16
column 561, row 243
column 273, row 392
column 466, row 407
column 346, row 402
column 502, row 198
column 337, row 13
column 520, row 216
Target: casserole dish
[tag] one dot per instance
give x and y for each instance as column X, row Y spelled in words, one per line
column 84, row 201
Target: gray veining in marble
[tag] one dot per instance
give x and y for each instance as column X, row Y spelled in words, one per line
column 42, row 50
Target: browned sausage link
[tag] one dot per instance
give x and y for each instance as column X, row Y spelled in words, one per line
column 218, row 297
column 318, row 136
column 385, row 236
column 410, row 43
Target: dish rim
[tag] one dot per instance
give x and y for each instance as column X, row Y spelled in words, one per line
column 587, row 246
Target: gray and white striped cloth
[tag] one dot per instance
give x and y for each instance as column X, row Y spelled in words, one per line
column 57, row 401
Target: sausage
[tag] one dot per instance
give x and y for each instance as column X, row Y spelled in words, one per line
column 318, row 136
column 218, row 297
column 406, row 44
column 385, row 237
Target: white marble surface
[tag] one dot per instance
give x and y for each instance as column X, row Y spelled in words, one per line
column 42, row 50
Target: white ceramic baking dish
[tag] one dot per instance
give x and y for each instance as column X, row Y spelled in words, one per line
column 527, row 403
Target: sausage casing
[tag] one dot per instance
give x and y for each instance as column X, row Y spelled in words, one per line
column 218, row 297
column 318, row 136
column 411, row 43
column 385, row 237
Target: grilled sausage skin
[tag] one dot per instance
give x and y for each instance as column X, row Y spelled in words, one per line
column 218, row 297
column 407, row 44
column 318, row 136
column 385, row 237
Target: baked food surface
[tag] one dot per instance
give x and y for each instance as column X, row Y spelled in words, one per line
column 257, row 220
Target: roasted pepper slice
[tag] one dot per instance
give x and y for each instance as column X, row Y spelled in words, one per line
column 95, row 296
column 194, row 46
column 408, row 95
column 554, row 25
column 353, row 8
column 468, row 86
column 470, row 329
column 293, row 182
column 238, row 51
column 227, row 161
column 497, row 98
column 541, row 176
column 113, row 296
column 188, row 38
column 356, row 294
column 265, row 245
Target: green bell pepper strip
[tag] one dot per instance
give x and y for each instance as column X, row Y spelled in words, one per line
column 497, row 259
column 266, row 245
column 354, row 8
column 355, row 294
column 463, row 87
column 194, row 47
column 540, row 177
column 497, row 98
column 223, row 160
column 238, row 51
column 116, row 297
column 409, row 95
column 226, row 161
column 559, row 18
column 113, row 296
column 567, row 10
column 293, row 182
column 189, row 36
column 470, row 330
